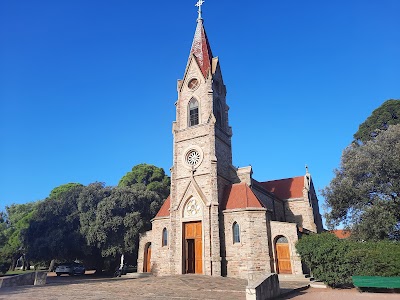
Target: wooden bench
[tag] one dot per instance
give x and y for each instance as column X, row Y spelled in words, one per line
column 379, row 282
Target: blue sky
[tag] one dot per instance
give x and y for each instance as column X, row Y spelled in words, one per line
column 87, row 88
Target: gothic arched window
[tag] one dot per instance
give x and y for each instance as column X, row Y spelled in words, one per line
column 236, row 233
column 164, row 237
column 193, row 112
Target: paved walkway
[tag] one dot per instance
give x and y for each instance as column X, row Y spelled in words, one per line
column 151, row 288
column 177, row 287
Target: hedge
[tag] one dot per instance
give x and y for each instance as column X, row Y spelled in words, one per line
column 334, row 261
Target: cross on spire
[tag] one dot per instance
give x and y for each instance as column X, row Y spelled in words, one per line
column 199, row 4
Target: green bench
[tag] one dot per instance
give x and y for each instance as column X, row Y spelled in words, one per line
column 363, row 282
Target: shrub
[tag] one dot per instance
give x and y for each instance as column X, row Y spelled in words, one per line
column 334, row 261
column 4, row 266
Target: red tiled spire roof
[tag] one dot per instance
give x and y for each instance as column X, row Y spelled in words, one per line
column 285, row 188
column 164, row 210
column 201, row 48
column 240, row 196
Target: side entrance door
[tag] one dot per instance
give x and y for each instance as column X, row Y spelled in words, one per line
column 283, row 256
column 147, row 259
column 193, row 245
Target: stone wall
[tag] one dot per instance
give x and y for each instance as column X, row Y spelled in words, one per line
column 32, row 278
column 160, row 259
column 288, row 230
column 266, row 287
column 300, row 212
column 251, row 255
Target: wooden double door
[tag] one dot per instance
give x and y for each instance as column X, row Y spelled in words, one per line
column 193, row 247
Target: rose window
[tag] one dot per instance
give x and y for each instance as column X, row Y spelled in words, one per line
column 192, row 208
column 193, row 157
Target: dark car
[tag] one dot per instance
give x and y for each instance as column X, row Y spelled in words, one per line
column 70, row 269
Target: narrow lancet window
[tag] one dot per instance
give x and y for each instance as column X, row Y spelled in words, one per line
column 164, row 237
column 236, row 233
column 193, row 112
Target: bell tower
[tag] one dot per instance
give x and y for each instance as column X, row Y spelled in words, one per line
column 202, row 160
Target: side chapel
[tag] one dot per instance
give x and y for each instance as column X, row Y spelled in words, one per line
column 219, row 220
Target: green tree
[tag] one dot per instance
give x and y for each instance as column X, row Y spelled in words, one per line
column 15, row 222
column 121, row 214
column 88, row 202
column 387, row 114
column 4, row 262
column 152, row 177
column 58, row 191
column 365, row 192
column 54, row 231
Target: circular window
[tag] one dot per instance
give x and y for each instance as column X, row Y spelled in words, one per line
column 192, row 208
column 192, row 157
column 193, row 83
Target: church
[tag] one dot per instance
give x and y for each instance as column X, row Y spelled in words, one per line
column 218, row 219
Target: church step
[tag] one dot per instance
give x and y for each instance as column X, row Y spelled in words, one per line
column 295, row 277
column 318, row 285
column 137, row 275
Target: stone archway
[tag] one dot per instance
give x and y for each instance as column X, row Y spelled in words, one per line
column 283, row 259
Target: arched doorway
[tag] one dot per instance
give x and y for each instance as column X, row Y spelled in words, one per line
column 284, row 266
column 147, row 258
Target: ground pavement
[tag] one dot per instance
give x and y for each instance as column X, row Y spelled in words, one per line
column 155, row 288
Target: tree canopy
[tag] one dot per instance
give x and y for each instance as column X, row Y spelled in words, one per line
column 364, row 195
column 93, row 223
column 152, row 177
column 387, row 114
column 54, row 231
column 13, row 224
column 120, row 216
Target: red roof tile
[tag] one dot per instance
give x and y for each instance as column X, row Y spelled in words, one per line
column 164, row 210
column 240, row 196
column 201, row 48
column 341, row 234
column 285, row 188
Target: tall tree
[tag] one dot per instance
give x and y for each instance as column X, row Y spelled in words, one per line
column 54, row 231
column 120, row 218
column 15, row 222
column 88, row 202
column 152, row 177
column 380, row 119
column 365, row 192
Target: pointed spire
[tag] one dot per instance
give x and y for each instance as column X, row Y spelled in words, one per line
column 200, row 46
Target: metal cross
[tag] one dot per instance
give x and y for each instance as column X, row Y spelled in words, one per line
column 199, row 4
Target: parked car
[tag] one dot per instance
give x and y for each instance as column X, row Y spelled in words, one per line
column 70, row 269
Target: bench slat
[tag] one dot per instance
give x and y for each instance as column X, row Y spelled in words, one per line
column 376, row 282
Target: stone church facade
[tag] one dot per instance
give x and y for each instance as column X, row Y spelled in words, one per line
column 219, row 220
